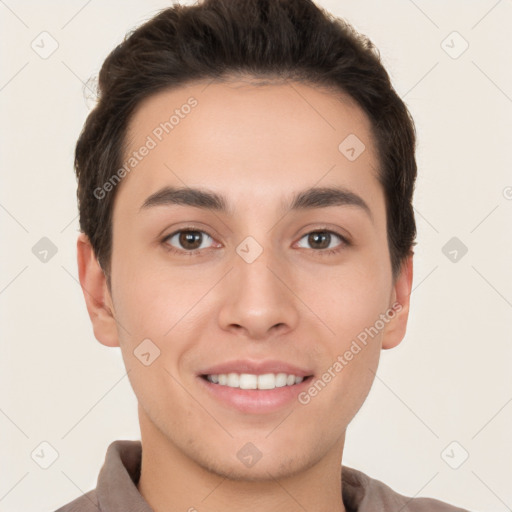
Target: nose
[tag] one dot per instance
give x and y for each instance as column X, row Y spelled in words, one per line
column 259, row 300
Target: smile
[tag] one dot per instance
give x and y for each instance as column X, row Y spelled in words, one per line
column 253, row 381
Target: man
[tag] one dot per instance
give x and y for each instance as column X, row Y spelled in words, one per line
column 245, row 189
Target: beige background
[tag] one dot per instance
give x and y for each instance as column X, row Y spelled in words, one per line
column 449, row 380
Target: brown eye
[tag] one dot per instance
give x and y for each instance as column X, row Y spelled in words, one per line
column 323, row 239
column 319, row 240
column 187, row 240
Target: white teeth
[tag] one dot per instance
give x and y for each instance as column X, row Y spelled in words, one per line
column 280, row 380
column 251, row 381
column 248, row 381
column 266, row 381
column 233, row 380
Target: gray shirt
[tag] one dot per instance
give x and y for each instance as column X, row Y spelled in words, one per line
column 117, row 491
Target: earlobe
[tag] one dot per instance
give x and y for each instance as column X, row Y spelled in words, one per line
column 96, row 293
column 395, row 330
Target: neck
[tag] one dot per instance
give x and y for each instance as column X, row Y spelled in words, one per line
column 171, row 482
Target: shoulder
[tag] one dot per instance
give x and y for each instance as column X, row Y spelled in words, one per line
column 362, row 493
column 88, row 502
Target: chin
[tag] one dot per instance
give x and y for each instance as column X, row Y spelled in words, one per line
column 249, row 465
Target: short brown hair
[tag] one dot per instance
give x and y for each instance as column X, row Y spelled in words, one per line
column 284, row 39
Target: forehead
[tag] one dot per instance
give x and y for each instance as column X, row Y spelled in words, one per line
column 256, row 141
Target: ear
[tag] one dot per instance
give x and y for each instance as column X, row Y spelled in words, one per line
column 395, row 329
column 96, row 293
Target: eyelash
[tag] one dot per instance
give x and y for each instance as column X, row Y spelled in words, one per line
column 195, row 252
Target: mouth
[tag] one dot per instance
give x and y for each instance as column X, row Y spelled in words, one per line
column 254, row 393
column 253, row 386
column 265, row 381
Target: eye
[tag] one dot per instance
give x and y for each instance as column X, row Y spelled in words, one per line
column 189, row 241
column 321, row 241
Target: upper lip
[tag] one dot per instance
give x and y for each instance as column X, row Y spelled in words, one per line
column 255, row 367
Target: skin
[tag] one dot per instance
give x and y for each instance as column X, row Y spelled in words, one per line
column 256, row 145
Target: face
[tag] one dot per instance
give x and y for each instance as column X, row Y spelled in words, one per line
column 243, row 286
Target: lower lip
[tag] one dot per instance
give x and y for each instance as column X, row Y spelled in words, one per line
column 255, row 401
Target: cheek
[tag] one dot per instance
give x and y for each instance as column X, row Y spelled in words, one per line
column 352, row 302
column 153, row 309
column 349, row 300
column 151, row 299
column 355, row 380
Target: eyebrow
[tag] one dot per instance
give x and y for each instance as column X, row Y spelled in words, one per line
column 310, row 198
